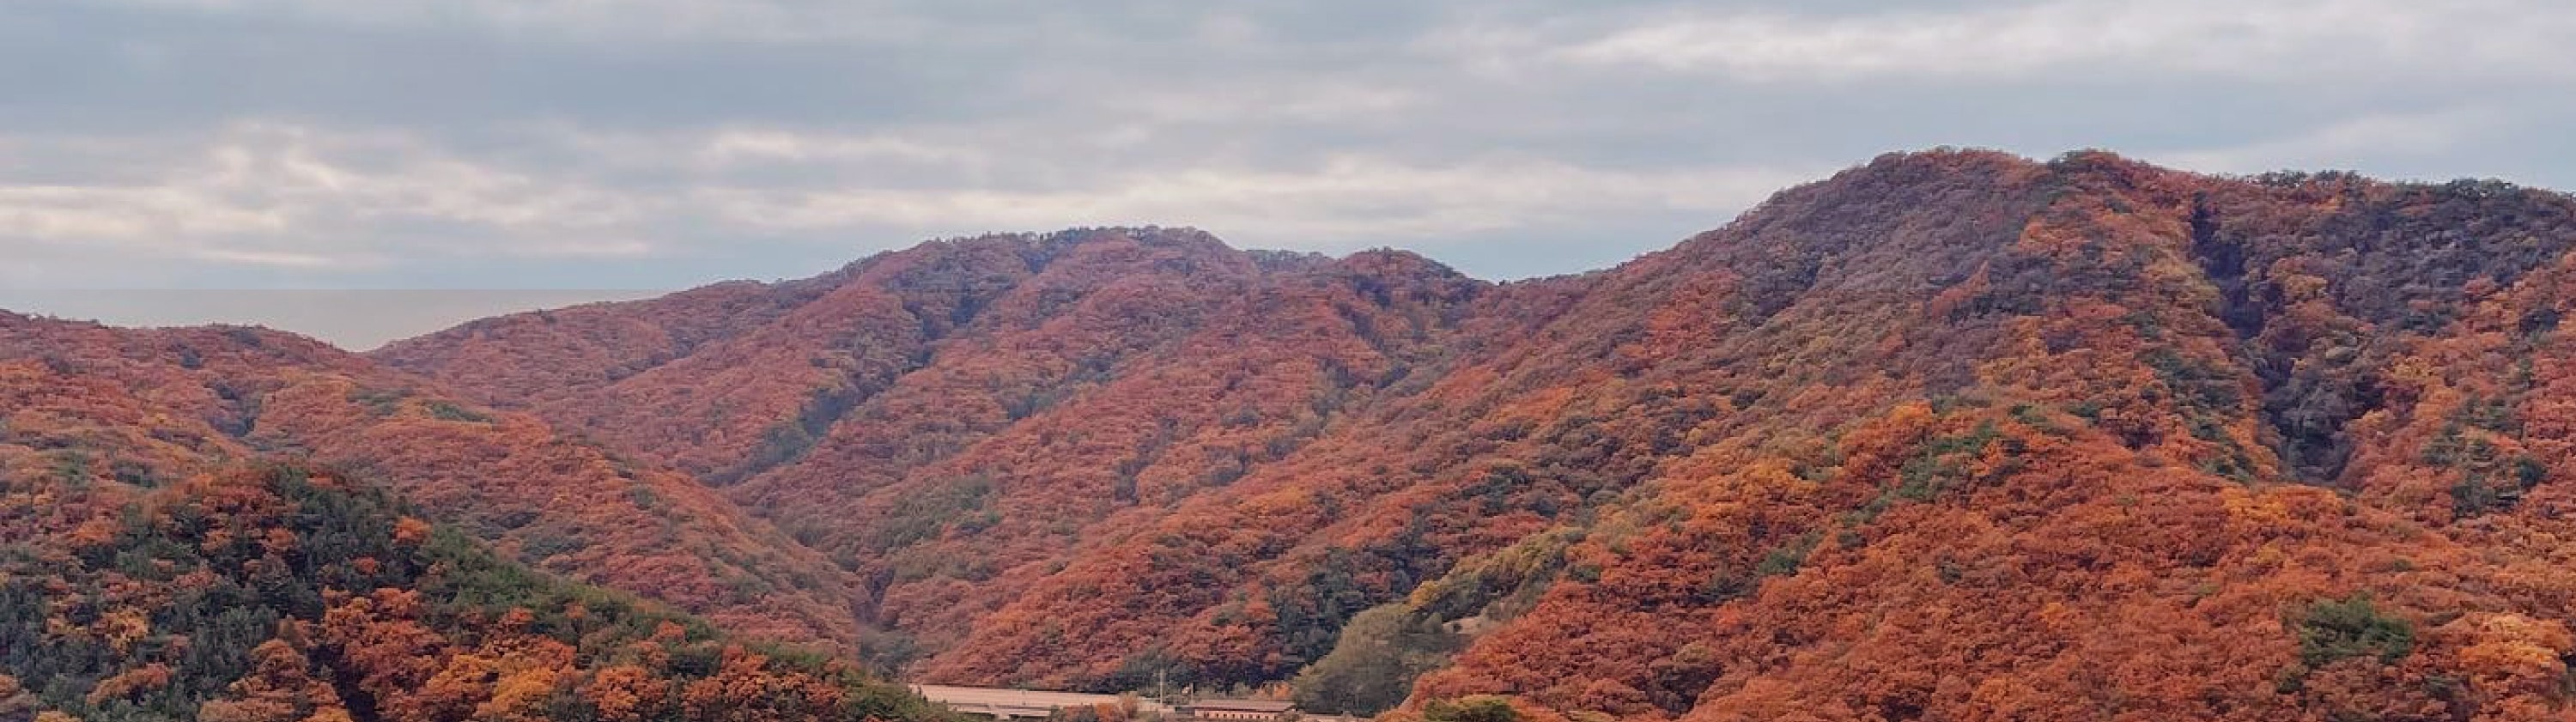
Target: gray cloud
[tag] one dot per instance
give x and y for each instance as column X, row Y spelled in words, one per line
column 2275, row 40
column 663, row 143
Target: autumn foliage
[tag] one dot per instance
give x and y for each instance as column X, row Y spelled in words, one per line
column 1953, row 435
column 281, row 593
column 92, row 405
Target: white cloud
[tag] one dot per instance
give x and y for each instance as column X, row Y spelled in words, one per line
column 265, row 194
column 301, row 198
column 737, row 147
column 71, row 214
column 2343, row 144
column 664, row 135
column 1347, row 201
column 2272, row 39
column 265, row 258
column 605, row 20
column 1242, row 100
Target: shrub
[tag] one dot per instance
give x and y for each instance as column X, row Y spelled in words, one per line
column 2332, row 630
column 445, row 411
column 1471, row 709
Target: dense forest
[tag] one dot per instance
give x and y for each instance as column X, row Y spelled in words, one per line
column 1952, row 435
column 147, row 407
column 286, row 593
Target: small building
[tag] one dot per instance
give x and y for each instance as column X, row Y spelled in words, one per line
column 1008, row 704
column 1233, row 710
column 1004, row 705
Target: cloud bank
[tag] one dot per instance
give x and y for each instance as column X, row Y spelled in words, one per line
column 664, row 143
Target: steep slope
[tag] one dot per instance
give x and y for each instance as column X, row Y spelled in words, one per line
column 142, row 408
column 534, row 360
column 1128, row 369
column 1952, row 435
column 277, row 593
column 1097, row 433
column 1565, row 395
column 734, row 379
column 2093, row 466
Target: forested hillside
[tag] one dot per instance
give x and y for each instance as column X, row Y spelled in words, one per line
column 1005, row 404
column 285, row 593
column 146, row 408
column 1951, row 435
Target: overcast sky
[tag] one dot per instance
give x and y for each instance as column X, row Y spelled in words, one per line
column 655, row 144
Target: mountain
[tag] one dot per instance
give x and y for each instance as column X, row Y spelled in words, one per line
column 284, row 592
column 2078, row 439
column 1950, row 435
column 952, row 420
column 143, row 409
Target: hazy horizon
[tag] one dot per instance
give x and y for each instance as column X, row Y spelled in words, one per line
column 353, row 319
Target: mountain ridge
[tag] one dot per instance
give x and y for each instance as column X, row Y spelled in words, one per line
column 1926, row 310
column 1950, row 434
